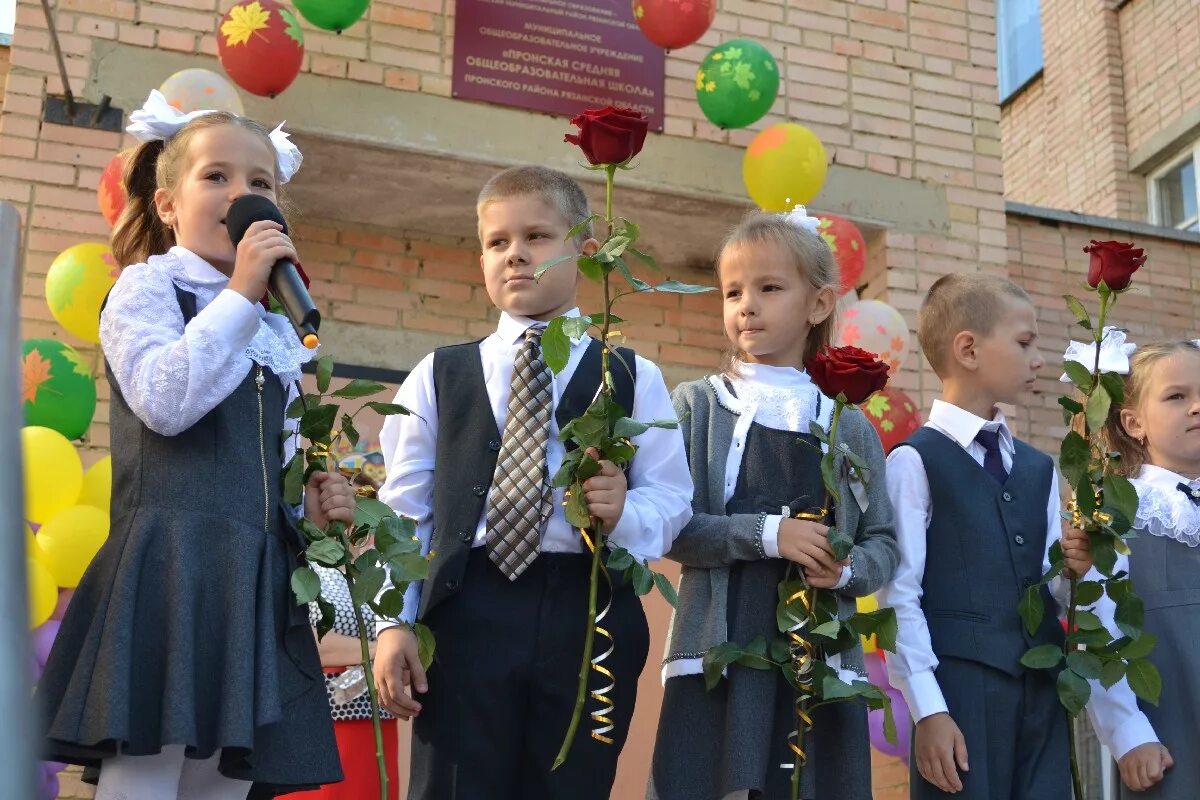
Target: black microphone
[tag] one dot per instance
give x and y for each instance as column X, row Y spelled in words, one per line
column 284, row 283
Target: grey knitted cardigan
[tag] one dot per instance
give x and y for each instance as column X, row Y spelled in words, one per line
column 712, row 541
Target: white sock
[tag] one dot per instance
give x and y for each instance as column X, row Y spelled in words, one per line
column 141, row 777
column 201, row 781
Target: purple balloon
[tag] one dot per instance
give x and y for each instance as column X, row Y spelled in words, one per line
column 900, row 712
column 43, row 639
column 49, row 787
column 876, row 670
column 53, row 767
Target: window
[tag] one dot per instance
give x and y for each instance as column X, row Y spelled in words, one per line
column 1173, row 192
column 1018, row 44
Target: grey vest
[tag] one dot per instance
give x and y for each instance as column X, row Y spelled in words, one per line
column 984, row 547
column 468, row 445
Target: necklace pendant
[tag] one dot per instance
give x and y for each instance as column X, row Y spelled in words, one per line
column 259, row 379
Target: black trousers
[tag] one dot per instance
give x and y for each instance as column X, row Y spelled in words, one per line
column 503, row 683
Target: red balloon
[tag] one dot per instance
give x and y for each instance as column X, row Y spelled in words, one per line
column 848, row 246
column 893, row 414
column 110, row 191
column 260, row 44
column 672, row 24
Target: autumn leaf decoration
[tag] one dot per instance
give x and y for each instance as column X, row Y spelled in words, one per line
column 35, row 371
column 245, row 21
column 293, row 29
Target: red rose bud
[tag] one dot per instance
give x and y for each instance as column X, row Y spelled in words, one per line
column 1113, row 263
column 848, row 371
column 609, row 135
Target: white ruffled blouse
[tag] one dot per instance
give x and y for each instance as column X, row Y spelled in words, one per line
column 1163, row 508
column 170, row 374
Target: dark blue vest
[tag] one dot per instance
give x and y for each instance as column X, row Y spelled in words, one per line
column 984, row 547
column 468, row 445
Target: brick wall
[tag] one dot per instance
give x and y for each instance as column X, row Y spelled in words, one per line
column 1113, row 79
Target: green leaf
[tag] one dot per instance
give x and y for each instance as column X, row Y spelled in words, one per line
column 1074, row 457
column 1111, row 673
column 328, row 614
column 627, row 428
column 815, row 430
column 326, row 551
column 834, row 688
column 306, row 586
column 1116, row 588
column 1130, row 615
column 1140, row 647
column 716, row 659
column 788, row 615
column 297, row 407
column 317, row 423
column 575, row 507
column 881, row 622
column 1085, row 664
column 638, row 284
column 619, row 559
column 666, row 589
column 293, row 480
column 645, row 258
column 545, row 265
column 1114, row 384
column 1077, row 308
column 1080, row 375
column 369, row 581
column 591, row 268
column 388, row 409
column 556, row 345
column 311, row 532
column 1032, row 609
column 369, row 511
column 829, row 629
column 755, row 655
column 324, row 373
column 1120, row 494
column 1144, row 680
column 675, row 287
column 889, row 720
column 1088, row 592
column 349, row 430
column 580, row 226
column 576, row 327
column 1070, row 408
column 1043, row 656
column 829, row 477
column 630, row 230
column 613, row 247
column 426, row 645
column 359, row 388
column 1073, row 691
column 408, row 567
column 1103, row 554
column 390, row 604
column 1088, row 621
column 1098, row 404
column 840, row 543
column 643, row 579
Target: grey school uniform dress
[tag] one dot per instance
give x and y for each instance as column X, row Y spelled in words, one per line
column 184, row 630
column 1164, row 564
column 732, row 741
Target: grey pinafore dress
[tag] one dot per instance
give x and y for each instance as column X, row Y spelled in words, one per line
column 184, row 629
column 733, row 739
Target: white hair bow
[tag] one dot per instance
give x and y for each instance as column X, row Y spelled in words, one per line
column 799, row 217
column 158, row 120
column 1114, row 353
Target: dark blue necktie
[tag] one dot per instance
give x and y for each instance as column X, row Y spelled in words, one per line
column 1189, row 492
column 993, row 464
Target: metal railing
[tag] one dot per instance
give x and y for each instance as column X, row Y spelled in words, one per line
column 18, row 755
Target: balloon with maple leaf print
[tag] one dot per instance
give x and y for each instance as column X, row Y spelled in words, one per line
column 57, row 388
column 76, row 285
column 784, row 166
column 110, row 190
column 736, row 83
column 893, row 415
column 875, row 326
column 261, row 46
column 672, row 24
column 848, row 246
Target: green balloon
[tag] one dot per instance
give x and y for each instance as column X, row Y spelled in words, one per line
column 737, row 83
column 332, row 15
column 57, row 387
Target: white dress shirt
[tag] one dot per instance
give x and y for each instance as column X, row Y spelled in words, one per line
column 657, row 505
column 911, row 667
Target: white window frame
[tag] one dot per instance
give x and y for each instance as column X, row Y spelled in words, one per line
column 1153, row 196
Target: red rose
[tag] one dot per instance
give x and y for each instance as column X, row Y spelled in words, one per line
column 848, row 371
column 1113, row 263
column 609, row 135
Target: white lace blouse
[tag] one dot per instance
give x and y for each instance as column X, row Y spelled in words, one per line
column 1163, row 508
column 170, row 374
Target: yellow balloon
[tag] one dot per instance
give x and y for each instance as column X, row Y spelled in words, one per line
column 53, row 472
column 784, row 166
column 97, row 485
column 70, row 541
column 867, row 604
column 76, row 285
column 43, row 594
column 32, row 549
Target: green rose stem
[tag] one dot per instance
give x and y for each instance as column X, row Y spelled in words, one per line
column 597, row 541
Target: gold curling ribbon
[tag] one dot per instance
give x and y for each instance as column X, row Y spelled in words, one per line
column 600, row 717
column 802, row 654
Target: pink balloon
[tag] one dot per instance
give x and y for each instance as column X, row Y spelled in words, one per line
column 43, row 639
column 876, row 670
column 64, row 597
